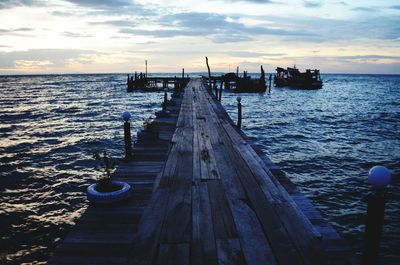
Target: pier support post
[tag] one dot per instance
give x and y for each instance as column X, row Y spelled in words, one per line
column 164, row 105
column 270, row 80
column 379, row 177
column 220, row 92
column 127, row 134
column 239, row 120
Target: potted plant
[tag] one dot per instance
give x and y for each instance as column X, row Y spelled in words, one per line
column 149, row 131
column 106, row 190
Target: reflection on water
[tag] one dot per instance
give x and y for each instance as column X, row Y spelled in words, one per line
column 326, row 140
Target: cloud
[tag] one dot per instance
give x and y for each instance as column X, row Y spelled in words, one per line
column 219, row 28
column 44, row 57
column 365, row 9
column 116, row 23
column 6, row 4
column 370, row 57
column 76, row 34
column 312, row 4
column 246, row 54
column 62, row 13
column 103, row 3
column 16, row 31
column 108, row 7
column 396, row 7
column 255, row 1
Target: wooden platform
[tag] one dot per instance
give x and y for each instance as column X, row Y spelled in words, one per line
column 217, row 200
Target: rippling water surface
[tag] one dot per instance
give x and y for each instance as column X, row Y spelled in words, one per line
column 325, row 140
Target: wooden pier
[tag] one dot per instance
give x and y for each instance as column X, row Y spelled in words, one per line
column 153, row 83
column 203, row 195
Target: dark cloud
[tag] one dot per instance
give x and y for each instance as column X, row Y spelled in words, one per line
column 57, row 57
column 312, row 4
column 219, row 28
column 397, row 7
column 5, row 4
column 373, row 27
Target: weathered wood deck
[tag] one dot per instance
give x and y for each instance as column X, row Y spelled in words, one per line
column 217, row 199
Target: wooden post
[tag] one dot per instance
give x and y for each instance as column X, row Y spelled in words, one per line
column 220, row 91
column 270, row 80
column 215, row 88
column 237, row 71
column 165, row 100
column 379, row 177
column 373, row 228
column 262, row 80
column 183, row 73
column 239, row 121
column 128, row 141
column 209, row 74
column 146, row 68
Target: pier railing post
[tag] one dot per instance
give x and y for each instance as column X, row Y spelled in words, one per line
column 127, row 134
column 379, row 177
column 239, row 120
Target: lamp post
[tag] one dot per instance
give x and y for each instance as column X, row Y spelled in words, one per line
column 126, row 116
column 239, row 120
column 379, row 177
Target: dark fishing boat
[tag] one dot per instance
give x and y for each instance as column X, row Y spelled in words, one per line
column 310, row 79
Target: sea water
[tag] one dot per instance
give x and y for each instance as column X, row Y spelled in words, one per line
column 325, row 140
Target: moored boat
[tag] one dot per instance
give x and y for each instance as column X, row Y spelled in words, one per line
column 292, row 77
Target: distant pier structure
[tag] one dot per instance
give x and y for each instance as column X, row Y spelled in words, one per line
column 141, row 81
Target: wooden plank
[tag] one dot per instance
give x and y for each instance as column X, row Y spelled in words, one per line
column 229, row 252
column 196, row 150
column 151, row 228
column 229, row 177
column 173, row 254
column 224, row 225
column 203, row 248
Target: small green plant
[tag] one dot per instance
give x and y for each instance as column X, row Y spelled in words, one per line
column 105, row 164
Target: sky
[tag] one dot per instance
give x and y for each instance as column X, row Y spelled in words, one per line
column 105, row 36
